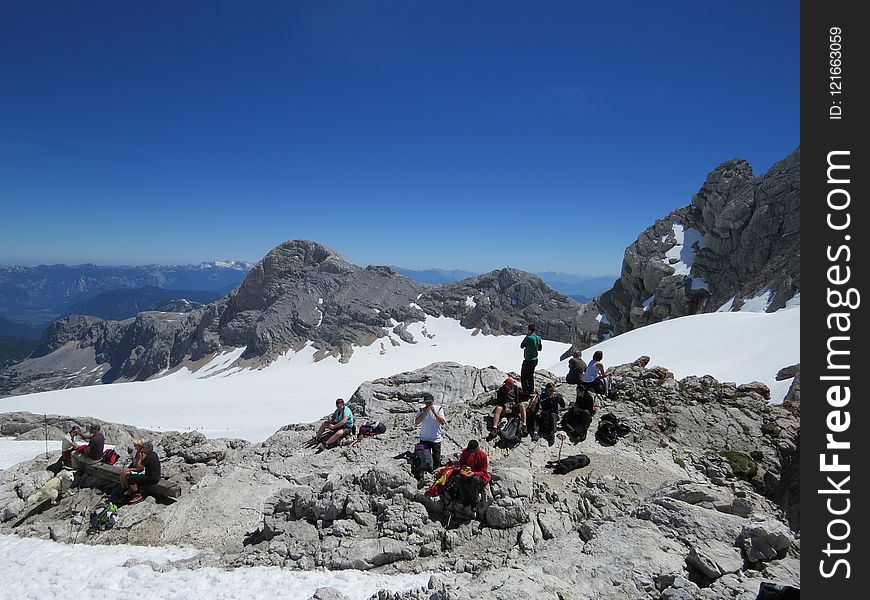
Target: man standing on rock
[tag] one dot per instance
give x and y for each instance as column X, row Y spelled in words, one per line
column 430, row 418
column 531, row 345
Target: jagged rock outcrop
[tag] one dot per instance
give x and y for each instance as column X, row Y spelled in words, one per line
column 687, row 505
column 506, row 301
column 301, row 292
column 739, row 238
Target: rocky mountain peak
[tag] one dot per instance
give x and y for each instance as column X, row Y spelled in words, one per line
column 300, row 293
column 737, row 240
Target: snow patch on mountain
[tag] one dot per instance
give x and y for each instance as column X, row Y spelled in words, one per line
column 738, row 346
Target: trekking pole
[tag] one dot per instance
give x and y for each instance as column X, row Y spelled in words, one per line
column 81, row 522
column 561, row 437
column 45, row 423
column 74, row 510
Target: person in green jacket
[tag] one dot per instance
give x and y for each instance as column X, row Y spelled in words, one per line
column 531, row 345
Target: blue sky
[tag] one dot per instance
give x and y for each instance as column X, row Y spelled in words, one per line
column 453, row 134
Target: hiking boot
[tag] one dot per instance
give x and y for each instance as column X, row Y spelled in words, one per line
column 525, row 431
column 137, row 497
column 492, row 435
column 535, row 436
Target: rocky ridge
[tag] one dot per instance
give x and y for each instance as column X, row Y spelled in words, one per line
column 302, row 292
column 738, row 239
column 694, row 503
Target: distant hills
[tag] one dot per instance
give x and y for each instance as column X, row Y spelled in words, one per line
column 34, row 296
column 116, row 305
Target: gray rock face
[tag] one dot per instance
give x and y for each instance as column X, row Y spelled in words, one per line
column 506, row 301
column 661, row 514
column 301, row 292
column 739, row 237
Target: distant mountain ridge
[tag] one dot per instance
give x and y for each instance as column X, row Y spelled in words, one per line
column 302, row 292
column 36, row 295
column 117, row 305
column 584, row 286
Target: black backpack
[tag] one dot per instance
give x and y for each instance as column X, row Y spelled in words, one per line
column 511, row 431
column 371, row 428
column 610, row 429
column 606, row 434
column 421, row 461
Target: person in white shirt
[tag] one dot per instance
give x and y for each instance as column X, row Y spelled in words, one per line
column 430, row 418
column 596, row 377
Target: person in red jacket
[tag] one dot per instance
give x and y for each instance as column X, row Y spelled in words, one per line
column 473, row 473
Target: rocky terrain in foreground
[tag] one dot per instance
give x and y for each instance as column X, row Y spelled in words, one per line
column 699, row 501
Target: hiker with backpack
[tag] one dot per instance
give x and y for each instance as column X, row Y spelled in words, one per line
column 91, row 453
column 576, row 421
column 576, row 368
column 473, row 473
column 143, row 470
column 543, row 414
column 339, row 422
column 430, row 418
column 531, row 345
column 509, row 403
column 595, row 377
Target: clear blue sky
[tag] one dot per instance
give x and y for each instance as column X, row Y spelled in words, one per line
column 452, row 134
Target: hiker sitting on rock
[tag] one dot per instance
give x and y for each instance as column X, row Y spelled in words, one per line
column 68, row 445
column 543, row 414
column 575, row 422
column 340, row 422
column 93, row 452
column 135, row 465
column 509, row 403
column 144, row 470
column 430, row 419
column 473, row 473
column 576, row 368
column 595, row 377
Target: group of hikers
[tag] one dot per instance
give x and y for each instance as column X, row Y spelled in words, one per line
column 143, row 469
column 537, row 414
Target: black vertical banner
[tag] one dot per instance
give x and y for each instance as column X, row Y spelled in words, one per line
column 835, row 60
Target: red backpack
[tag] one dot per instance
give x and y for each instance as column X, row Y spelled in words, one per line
column 110, row 457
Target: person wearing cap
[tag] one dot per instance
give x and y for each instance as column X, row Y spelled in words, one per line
column 473, row 473
column 430, row 418
column 93, row 452
column 509, row 403
column 531, row 345
column 340, row 422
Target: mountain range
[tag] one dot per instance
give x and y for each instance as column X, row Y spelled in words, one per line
column 698, row 499
column 34, row 296
column 734, row 243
